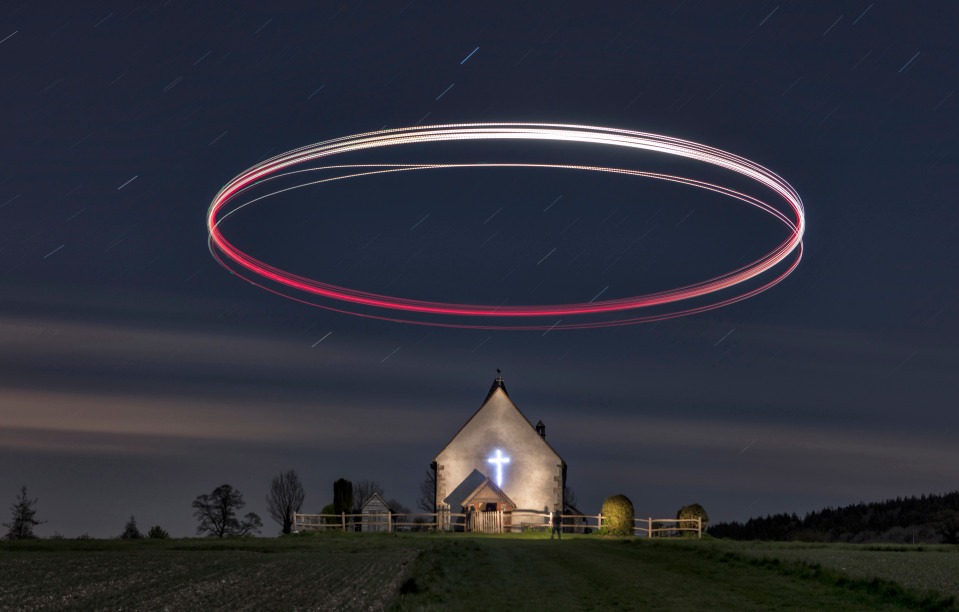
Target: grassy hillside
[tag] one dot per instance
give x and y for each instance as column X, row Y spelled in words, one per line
column 434, row 572
column 593, row 573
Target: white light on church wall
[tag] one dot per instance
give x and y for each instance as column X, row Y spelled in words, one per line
column 499, row 459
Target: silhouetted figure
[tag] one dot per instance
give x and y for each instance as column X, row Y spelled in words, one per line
column 556, row 520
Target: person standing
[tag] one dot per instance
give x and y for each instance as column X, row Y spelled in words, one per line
column 556, row 520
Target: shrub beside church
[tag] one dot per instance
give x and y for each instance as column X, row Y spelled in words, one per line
column 617, row 516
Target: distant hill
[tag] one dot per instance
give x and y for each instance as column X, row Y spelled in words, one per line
column 925, row 519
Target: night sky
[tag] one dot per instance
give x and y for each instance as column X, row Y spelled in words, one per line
column 136, row 373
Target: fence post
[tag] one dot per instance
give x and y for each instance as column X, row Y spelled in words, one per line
column 649, row 527
column 389, row 521
column 294, row 520
column 599, row 521
column 699, row 527
column 343, row 520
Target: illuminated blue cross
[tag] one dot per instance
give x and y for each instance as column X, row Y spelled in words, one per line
column 499, row 460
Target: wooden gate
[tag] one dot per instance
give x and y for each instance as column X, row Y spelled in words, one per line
column 495, row 521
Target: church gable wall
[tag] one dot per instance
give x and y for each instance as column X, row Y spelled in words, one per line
column 533, row 478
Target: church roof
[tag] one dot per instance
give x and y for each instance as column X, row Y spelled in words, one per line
column 487, row 485
column 498, row 388
column 466, row 488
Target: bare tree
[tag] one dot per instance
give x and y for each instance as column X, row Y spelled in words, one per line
column 397, row 507
column 24, row 519
column 569, row 496
column 286, row 497
column 427, row 499
column 364, row 490
column 216, row 514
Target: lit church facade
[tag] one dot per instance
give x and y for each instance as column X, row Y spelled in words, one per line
column 499, row 461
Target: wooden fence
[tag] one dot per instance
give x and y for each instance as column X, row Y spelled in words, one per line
column 388, row 522
column 653, row 526
column 484, row 522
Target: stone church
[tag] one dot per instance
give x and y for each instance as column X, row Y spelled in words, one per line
column 499, row 461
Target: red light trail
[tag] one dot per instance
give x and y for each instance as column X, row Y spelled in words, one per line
column 764, row 272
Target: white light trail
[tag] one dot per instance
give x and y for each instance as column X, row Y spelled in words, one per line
column 445, row 90
column 469, row 56
column 767, row 269
column 127, row 183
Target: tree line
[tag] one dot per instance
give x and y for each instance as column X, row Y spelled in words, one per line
column 218, row 513
column 928, row 518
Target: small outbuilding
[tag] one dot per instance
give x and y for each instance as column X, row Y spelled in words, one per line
column 376, row 514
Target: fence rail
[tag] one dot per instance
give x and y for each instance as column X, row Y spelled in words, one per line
column 653, row 526
column 389, row 522
column 453, row 521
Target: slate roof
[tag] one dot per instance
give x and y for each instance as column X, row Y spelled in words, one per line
column 487, row 483
column 372, row 497
column 464, row 489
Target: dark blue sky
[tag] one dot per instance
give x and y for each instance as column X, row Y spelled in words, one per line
column 135, row 373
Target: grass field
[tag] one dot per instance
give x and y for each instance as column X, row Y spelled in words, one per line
column 606, row 574
column 921, row 568
column 337, row 571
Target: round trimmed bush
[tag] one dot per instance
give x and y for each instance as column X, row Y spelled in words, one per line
column 689, row 514
column 618, row 515
column 329, row 509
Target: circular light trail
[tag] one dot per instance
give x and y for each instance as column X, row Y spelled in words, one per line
column 728, row 288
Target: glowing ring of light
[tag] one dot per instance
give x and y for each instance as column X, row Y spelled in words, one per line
column 791, row 248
